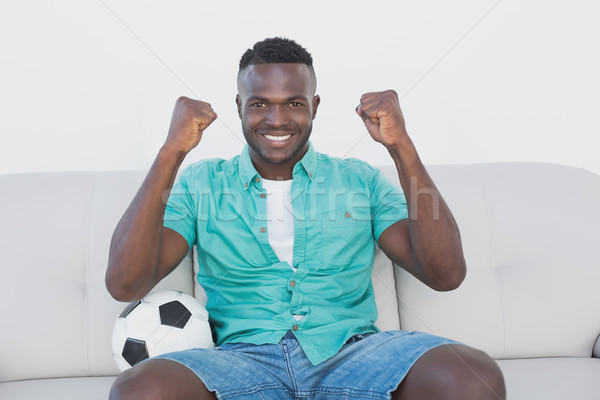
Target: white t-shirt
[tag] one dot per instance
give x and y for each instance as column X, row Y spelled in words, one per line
column 280, row 221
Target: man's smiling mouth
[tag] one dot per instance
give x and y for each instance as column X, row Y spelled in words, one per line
column 278, row 138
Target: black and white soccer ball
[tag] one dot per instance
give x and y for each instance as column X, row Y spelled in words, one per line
column 160, row 323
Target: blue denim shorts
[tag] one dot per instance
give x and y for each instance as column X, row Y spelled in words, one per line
column 368, row 366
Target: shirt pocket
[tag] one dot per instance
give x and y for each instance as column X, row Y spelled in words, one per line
column 345, row 234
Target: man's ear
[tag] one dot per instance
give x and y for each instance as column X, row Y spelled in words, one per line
column 238, row 101
column 315, row 103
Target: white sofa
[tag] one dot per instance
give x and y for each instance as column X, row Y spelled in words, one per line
column 531, row 298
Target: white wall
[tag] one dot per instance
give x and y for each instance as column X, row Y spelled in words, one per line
column 90, row 85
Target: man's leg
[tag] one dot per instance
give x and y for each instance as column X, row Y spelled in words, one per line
column 159, row 379
column 450, row 372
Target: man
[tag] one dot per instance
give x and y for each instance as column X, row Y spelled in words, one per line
column 289, row 292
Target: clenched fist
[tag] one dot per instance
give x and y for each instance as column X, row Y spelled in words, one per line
column 190, row 118
column 380, row 111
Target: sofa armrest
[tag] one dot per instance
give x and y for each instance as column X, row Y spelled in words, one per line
column 596, row 351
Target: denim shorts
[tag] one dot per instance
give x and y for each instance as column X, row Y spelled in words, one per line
column 369, row 366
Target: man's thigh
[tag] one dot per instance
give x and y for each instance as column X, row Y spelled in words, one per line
column 375, row 364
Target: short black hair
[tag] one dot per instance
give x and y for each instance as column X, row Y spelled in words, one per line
column 276, row 50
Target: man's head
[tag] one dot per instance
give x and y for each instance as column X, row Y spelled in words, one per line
column 276, row 102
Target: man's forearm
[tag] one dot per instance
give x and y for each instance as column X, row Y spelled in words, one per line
column 434, row 234
column 135, row 261
column 135, row 247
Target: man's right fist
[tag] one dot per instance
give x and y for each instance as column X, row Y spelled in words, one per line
column 190, row 118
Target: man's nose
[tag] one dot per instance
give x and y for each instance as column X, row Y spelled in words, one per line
column 277, row 116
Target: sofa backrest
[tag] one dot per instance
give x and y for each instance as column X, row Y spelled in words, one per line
column 55, row 230
column 531, row 233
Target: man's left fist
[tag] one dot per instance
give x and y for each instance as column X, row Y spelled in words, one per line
column 381, row 113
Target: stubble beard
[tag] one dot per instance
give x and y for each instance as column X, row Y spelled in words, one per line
column 299, row 146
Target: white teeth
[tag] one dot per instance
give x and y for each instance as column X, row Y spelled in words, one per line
column 277, row 138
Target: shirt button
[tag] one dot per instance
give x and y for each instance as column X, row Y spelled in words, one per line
column 245, row 185
column 292, row 283
column 257, row 180
column 262, row 195
column 263, row 229
column 310, row 174
column 347, row 215
column 295, row 327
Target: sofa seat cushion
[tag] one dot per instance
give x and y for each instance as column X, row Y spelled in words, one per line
column 552, row 378
column 87, row 388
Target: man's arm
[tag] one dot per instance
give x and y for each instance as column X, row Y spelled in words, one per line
column 427, row 244
column 142, row 251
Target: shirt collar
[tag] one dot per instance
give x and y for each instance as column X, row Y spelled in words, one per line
column 248, row 173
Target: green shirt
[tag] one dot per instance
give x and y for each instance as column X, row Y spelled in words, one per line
column 339, row 205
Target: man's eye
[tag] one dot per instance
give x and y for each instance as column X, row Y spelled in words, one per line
column 257, row 105
column 296, row 104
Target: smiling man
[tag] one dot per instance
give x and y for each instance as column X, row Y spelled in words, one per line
column 286, row 239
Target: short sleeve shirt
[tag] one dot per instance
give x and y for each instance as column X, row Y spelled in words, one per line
column 340, row 208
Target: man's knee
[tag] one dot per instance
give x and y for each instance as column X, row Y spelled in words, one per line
column 454, row 372
column 478, row 375
column 133, row 385
column 159, row 379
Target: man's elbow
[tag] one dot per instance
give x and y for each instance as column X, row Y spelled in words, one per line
column 447, row 286
column 119, row 290
column 453, row 276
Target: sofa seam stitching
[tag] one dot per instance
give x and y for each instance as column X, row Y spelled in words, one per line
column 91, row 191
column 493, row 256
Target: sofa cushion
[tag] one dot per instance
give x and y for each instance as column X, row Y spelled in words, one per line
column 54, row 238
column 530, row 236
column 552, row 378
column 96, row 388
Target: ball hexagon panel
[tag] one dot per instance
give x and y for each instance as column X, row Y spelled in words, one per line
column 199, row 334
column 167, row 339
column 142, row 321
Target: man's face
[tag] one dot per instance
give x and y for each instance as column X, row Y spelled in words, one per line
column 277, row 104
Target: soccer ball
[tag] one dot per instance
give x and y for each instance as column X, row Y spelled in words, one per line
column 160, row 323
